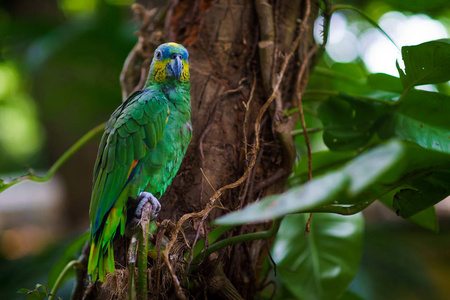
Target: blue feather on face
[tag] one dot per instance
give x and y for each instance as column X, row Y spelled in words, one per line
column 170, row 61
column 165, row 51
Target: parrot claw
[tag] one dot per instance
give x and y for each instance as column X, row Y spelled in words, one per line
column 145, row 197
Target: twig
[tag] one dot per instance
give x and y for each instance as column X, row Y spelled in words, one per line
column 55, row 167
column 253, row 173
column 238, row 239
column 301, row 131
column 142, row 255
column 81, row 272
column 305, row 131
column 247, row 109
column 132, row 264
column 206, row 130
column 326, row 22
column 271, row 259
column 272, row 179
column 159, row 237
column 59, row 280
column 207, row 180
column 298, row 93
column 197, row 235
column 266, row 46
column 137, row 56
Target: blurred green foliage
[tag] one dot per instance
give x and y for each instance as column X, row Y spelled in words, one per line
column 61, row 74
column 60, row 63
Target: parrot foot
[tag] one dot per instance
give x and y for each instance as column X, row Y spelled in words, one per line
column 145, row 197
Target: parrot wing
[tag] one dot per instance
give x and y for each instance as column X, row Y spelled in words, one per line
column 133, row 129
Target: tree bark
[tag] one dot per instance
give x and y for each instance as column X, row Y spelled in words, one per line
column 246, row 59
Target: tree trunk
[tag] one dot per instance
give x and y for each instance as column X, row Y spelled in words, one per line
column 249, row 63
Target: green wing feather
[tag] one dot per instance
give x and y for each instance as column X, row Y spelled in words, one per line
column 133, row 131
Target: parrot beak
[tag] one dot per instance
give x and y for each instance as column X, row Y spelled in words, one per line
column 175, row 65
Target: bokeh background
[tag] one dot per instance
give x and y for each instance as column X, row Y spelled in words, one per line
column 60, row 62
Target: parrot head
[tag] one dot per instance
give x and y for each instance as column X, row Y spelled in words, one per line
column 170, row 64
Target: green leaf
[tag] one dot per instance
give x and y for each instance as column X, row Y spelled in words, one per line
column 417, row 6
column 422, row 117
column 70, row 252
column 344, row 77
column 426, row 63
column 385, row 82
column 426, row 218
column 322, row 264
column 35, row 294
column 23, row 291
column 349, row 122
column 350, row 295
column 366, row 169
column 364, row 179
column 424, row 192
column 43, row 287
column 322, row 162
column 318, row 192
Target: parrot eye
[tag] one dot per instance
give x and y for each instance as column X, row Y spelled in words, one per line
column 158, row 54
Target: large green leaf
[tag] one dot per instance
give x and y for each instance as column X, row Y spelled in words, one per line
column 349, row 122
column 417, row 6
column 344, row 77
column 385, row 82
column 423, row 193
column 426, row 218
column 322, row 264
column 368, row 168
column 426, row 63
column 422, row 117
column 365, row 178
column 318, row 192
column 322, row 162
column 350, row 295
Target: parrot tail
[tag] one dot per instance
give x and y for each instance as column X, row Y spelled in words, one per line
column 101, row 256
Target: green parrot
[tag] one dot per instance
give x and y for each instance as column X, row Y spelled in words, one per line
column 140, row 153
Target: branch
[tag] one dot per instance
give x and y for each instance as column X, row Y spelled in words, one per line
column 247, row 109
column 71, row 151
column 264, row 235
column 132, row 264
column 81, row 273
column 301, row 131
column 298, row 91
column 267, row 44
column 142, row 288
